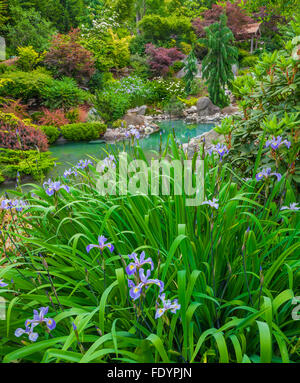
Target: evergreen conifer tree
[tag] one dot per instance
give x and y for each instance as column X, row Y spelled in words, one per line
column 191, row 70
column 217, row 64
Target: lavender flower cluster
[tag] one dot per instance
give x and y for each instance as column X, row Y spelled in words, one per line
column 52, row 187
column 17, row 204
column 221, row 149
column 82, row 164
column 132, row 133
column 108, row 162
column 131, row 85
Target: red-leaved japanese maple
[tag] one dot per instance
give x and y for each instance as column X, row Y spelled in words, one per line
column 160, row 59
column 237, row 18
column 66, row 57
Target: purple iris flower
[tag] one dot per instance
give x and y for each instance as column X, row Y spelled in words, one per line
column 82, row 164
column 266, row 173
column 39, row 317
column 133, row 133
column 136, row 290
column 70, row 172
column 133, row 266
column 221, row 149
column 213, row 203
column 30, row 324
column 17, row 204
column 275, row 143
column 108, row 162
column 146, row 282
column 293, row 206
column 102, row 245
column 167, row 305
column 52, row 187
column 3, row 284
column 29, row 331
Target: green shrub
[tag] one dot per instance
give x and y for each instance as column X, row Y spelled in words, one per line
column 28, row 58
column 137, row 45
column 189, row 102
column 97, row 81
column 110, row 51
column 27, row 27
column 249, row 61
column 30, row 162
column 177, row 66
column 119, row 124
column 25, row 85
column 39, row 85
column 83, row 131
column 63, row 94
column 6, row 68
column 174, row 107
column 162, row 90
column 51, row 132
column 242, row 85
column 157, row 28
column 73, row 115
column 140, row 66
column 242, row 53
column 112, row 106
column 198, row 88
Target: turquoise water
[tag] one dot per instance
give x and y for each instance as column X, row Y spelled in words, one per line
column 70, row 153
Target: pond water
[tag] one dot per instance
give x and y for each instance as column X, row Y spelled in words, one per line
column 70, row 153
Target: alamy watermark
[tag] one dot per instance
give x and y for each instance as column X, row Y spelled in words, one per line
column 296, row 310
column 2, row 308
column 161, row 177
column 2, row 49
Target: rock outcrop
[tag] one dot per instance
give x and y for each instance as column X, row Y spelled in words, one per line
column 139, row 110
column 118, row 134
column 230, row 110
column 209, row 137
column 134, row 119
column 206, row 108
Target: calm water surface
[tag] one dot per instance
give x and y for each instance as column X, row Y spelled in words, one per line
column 69, row 154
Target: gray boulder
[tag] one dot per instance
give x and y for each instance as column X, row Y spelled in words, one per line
column 140, row 110
column 192, row 109
column 230, row 110
column 206, row 108
column 134, row 119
